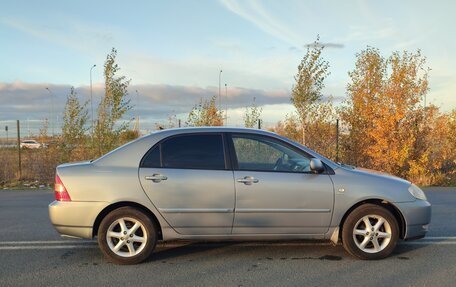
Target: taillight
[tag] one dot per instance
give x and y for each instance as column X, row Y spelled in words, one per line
column 60, row 192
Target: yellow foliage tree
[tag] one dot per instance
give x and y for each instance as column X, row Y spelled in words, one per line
column 320, row 130
column 252, row 115
column 309, row 83
column 388, row 127
column 205, row 114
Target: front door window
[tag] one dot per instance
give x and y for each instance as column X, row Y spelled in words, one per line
column 259, row 153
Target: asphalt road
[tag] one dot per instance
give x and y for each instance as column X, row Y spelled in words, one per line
column 33, row 254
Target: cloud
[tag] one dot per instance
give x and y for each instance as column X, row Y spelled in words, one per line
column 293, row 49
column 254, row 12
column 326, row 45
column 19, row 100
column 32, row 103
column 383, row 28
column 77, row 35
column 270, row 72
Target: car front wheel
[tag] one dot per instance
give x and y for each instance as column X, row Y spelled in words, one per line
column 370, row 232
column 127, row 236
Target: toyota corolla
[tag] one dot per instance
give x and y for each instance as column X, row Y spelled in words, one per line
column 231, row 184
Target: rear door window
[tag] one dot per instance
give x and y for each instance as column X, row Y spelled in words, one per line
column 152, row 159
column 202, row 151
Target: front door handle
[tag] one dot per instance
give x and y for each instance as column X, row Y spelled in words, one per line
column 247, row 180
column 156, row 177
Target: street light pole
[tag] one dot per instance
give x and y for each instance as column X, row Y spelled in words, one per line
column 91, row 96
column 226, row 104
column 220, row 96
column 337, row 140
column 137, row 112
column 52, row 110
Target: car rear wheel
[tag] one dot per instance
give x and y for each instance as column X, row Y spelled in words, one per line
column 370, row 232
column 127, row 236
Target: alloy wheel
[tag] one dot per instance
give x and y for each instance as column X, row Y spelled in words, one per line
column 372, row 233
column 126, row 237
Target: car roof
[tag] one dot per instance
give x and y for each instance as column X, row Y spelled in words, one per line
column 220, row 129
column 132, row 152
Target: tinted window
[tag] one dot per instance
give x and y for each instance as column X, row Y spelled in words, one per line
column 152, row 159
column 266, row 154
column 194, row 151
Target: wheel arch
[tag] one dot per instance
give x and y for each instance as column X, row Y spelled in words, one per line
column 383, row 203
column 120, row 204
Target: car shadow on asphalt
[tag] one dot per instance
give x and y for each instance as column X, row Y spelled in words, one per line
column 166, row 251
column 192, row 249
column 174, row 251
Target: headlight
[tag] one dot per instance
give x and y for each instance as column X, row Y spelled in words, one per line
column 417, row 192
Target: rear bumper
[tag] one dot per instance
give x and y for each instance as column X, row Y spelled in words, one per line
column 73, row 218
column 417, row 217
column 75, row 231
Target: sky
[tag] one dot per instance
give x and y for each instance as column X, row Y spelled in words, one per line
column 173, row 51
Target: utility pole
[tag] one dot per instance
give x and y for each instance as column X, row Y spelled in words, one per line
column 6, row 130
column 337, row 140
column 259, row 124
column 28, row 128
column 52, row 110
column 179, row 122
column 220, row 96
column 19, row 148
column 137, row 111
column 91, row 96
column 226, row 104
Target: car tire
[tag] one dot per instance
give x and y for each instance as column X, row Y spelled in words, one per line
column 370, row 232
column 127, row 236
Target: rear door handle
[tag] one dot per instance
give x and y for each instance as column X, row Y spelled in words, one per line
column 247, row 180
column 156, row 177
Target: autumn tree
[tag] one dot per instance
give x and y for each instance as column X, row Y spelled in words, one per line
column 43, row 133
column 205, row 113
column 288, row 128
column 362, row 106
column 315, row 118
column 451, row 166
column 252, row 115
column 309, row 83
column 321, row 131
column 112, row 107
column 75, row 117
column 433, row 157
column 382, row 111
column 170, row 123
column 452, row 134
column 128, row 135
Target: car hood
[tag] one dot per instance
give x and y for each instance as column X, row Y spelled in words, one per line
column 368, row 183
column 379, row 174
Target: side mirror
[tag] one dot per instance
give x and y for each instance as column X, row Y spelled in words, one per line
column 316, row 165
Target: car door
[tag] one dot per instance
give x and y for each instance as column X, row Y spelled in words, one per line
column 189, row 180
column 276, row 193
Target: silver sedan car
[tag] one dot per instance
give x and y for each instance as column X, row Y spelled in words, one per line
column 231, row 184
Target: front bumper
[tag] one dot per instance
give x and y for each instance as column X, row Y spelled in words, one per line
column 417, row 215
column 75, row 218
